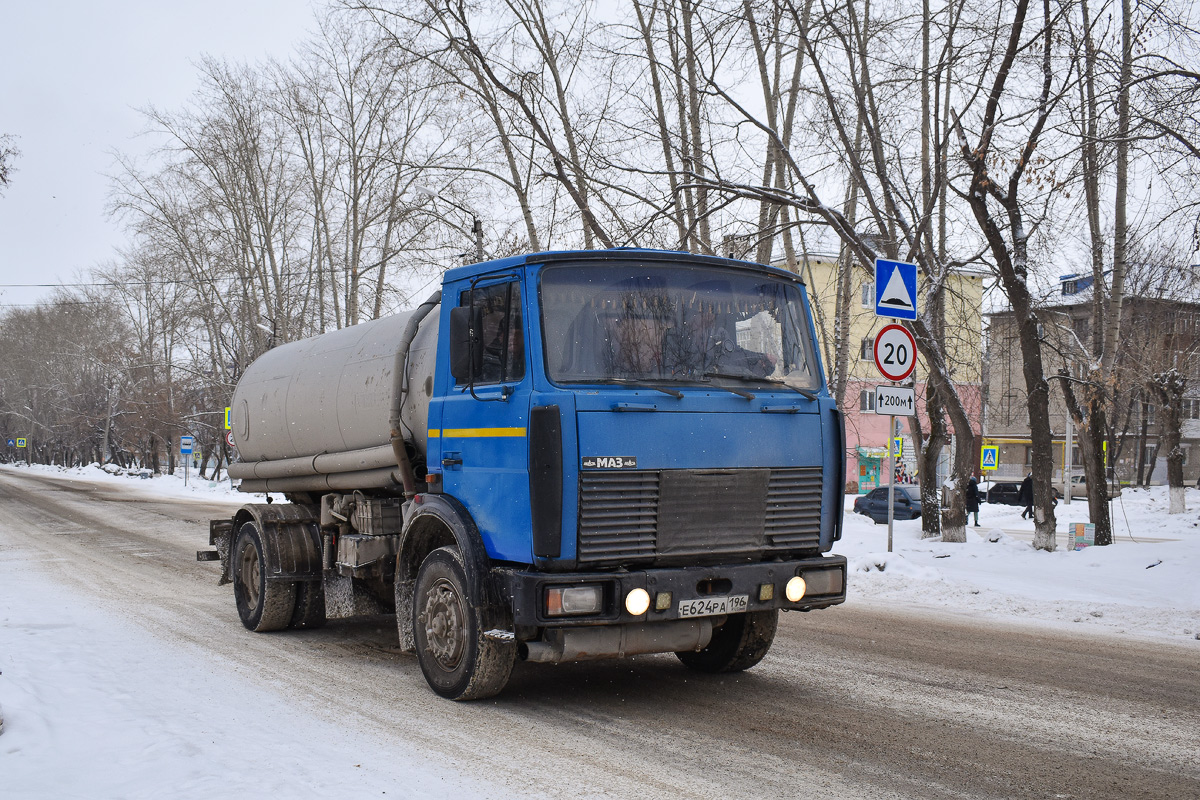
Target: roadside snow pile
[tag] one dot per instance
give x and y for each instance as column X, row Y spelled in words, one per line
column 146, row 482
column 1141, row 585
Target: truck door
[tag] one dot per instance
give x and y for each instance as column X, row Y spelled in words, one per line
column 484, row 440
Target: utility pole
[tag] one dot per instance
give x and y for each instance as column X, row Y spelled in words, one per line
column 1067, row 460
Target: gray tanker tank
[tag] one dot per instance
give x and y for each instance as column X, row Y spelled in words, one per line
column 330, row 412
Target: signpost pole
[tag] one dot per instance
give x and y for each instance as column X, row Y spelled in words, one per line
column 895, row 352
column 891, row 478
column 185, row 452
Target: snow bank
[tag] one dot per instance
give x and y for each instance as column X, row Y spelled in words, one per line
column 1142, row 585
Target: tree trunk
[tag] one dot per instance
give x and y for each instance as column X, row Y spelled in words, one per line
column 1169, row 388
column 930, row 454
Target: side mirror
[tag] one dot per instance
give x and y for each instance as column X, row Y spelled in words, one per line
column 466, row 347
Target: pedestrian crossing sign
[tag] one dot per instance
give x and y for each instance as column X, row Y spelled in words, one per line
column 989, row 457
column 898, row 447
column 20, row 442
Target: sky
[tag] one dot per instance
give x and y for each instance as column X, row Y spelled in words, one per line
column 67, row 662
column 72, row 75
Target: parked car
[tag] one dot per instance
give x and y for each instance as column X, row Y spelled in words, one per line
column 874, row 504
column 1005, row 493
column 1009, row 493
column 1079, row 487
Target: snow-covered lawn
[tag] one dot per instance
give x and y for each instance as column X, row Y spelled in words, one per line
column 1138, row 586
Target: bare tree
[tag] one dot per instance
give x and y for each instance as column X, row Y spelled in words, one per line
column 8, row 154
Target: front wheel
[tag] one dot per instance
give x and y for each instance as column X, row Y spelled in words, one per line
column 458, row 660
column 737, row 645
column 263, row 605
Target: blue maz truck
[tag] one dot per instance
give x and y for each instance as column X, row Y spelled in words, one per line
column 557, row 457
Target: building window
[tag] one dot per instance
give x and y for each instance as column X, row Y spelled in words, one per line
column 1191, row 409
column 867, row 353
column 868, row 294
column 1082, row 327
column 866, row 400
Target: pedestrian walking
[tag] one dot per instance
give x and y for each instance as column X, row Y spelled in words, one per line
column 1025, row 496
column 973, row 499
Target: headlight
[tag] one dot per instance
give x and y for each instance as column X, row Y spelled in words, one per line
column 795, row 589
column 566, row 601
column 637, row 602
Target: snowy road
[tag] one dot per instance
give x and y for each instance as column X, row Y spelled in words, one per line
column 853, row 702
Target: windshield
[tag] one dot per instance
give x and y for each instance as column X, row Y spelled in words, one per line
column 674, row 323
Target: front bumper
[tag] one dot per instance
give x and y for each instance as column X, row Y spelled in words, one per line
column 824, row 575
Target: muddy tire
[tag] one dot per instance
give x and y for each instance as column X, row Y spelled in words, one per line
column 263, row 605
column 458, row 660
column 737, row 645
column 310, row 605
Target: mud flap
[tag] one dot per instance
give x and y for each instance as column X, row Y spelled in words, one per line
column 220, row 535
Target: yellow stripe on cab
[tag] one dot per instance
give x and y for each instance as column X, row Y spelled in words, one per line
column 476, row 433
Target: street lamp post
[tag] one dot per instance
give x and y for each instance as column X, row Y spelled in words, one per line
column 477, row 228
column 476, row 224
column 1196, row 246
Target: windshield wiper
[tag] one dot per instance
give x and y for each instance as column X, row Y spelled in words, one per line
column 803, row 392
column 730, row 389
column 640, row 385
column 774, row 382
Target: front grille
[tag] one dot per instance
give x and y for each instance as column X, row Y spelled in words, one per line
column 618, row 516
column 794, row 508
column 670, row 517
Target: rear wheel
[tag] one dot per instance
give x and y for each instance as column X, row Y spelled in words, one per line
column 263, row 605
column 737, row 645
column 459, row 661
column 310, row 605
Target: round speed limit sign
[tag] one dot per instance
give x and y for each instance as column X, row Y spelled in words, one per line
column 895, row 352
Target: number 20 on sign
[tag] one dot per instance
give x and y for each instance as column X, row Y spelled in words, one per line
column 895, row 352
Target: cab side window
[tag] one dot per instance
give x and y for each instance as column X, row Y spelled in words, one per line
column 501, row 333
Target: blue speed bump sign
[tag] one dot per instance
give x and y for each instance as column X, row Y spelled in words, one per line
column 12, row 442
column 989, row 457
column 895, row 289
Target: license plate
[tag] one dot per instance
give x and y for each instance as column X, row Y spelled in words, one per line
column 710, row 606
